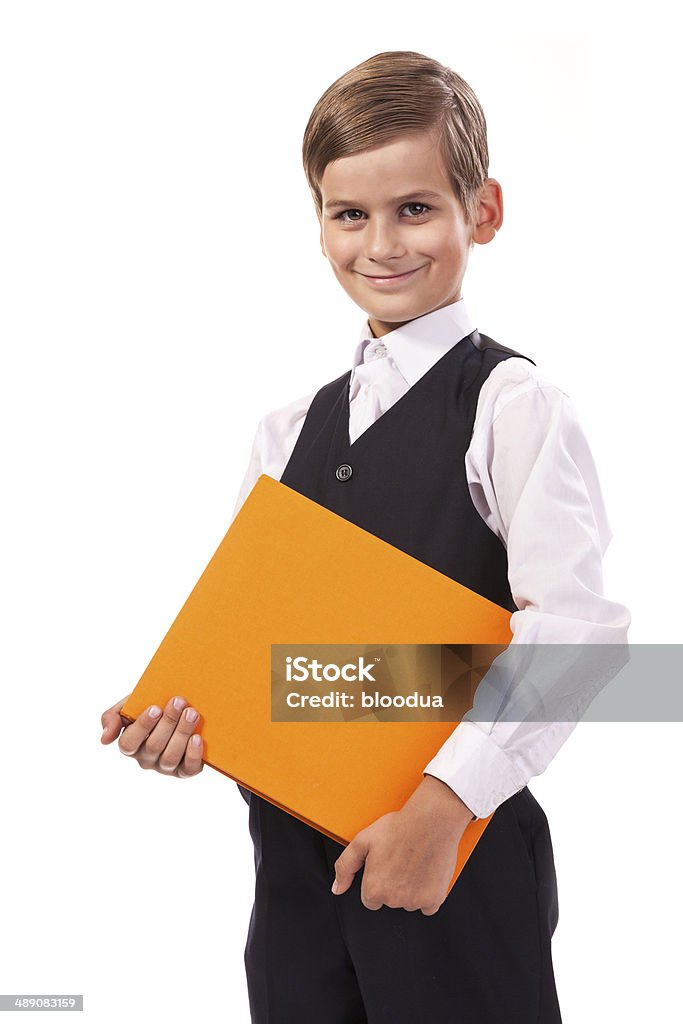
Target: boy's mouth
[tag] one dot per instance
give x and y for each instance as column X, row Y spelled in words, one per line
column 386, row 280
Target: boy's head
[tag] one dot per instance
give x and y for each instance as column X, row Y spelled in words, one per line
column 394, row 128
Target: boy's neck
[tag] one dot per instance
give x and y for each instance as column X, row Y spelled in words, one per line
column 379, row 328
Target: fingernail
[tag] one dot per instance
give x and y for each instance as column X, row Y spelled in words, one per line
column 179, row 703
column 191, row 715
column 196, row 740
column 335, row 887
column 154, row 711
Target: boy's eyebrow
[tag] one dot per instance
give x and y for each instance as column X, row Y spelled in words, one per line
column 417, row 194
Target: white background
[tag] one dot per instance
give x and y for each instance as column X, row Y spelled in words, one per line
column 163, row 288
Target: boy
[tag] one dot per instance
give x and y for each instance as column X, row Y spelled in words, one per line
column 456, row 450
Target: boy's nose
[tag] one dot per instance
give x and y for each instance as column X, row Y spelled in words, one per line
column 382, row 242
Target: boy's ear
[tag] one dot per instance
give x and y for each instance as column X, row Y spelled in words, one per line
column 490, row 213
column 322, row 244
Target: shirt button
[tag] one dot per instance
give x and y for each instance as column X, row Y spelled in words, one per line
column 344, row 471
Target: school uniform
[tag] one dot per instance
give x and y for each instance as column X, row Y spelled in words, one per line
column 421, row 444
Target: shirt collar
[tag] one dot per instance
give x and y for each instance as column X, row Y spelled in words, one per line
column 417, row 345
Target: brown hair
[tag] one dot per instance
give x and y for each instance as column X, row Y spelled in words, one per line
column 391, row 94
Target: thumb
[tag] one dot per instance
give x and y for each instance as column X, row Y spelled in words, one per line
column 110, row 730
column 348, row 862
column 112, row 722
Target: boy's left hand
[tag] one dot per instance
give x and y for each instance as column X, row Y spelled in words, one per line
column 409, row 855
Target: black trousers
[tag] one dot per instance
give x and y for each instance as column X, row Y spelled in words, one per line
column 484, row 958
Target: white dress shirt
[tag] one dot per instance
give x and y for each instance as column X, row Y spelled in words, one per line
column 533, row 481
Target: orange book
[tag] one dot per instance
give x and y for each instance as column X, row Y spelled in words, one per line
column 287, row 572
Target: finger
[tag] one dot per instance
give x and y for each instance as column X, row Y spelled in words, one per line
column 431, row 909
column 153, row 743
column 112, row 722
column 192, row 762
column 134, row 735
column 174, row 751
column 369, row 898
column 348, row 862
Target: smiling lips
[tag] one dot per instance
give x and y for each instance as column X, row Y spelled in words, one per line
column 387, row 281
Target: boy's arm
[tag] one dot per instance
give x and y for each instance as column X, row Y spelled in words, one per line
column 534, row 482
column 276, row 435
column 253, row 470
column 274, row 440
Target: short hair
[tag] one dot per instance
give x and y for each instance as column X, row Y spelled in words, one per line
column 392, row 94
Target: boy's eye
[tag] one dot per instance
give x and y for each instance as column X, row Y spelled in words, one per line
column 424, row 209
column 424, row 206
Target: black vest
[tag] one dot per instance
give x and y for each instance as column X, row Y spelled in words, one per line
column 403, row 479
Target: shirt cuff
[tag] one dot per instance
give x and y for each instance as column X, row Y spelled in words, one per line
column 476, row 769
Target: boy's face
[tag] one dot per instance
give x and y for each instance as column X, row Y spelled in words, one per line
column 396, row 251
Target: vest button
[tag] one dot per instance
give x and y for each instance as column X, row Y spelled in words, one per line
column 344, row 471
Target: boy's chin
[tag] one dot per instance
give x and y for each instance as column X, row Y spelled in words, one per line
column 398, row 310
column 398, row 306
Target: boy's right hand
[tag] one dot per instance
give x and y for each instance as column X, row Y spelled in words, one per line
column 165, row 742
